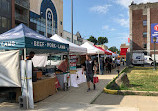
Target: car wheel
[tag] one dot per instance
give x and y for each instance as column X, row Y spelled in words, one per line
column 152, row 64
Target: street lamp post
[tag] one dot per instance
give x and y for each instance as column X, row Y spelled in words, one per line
column 154, row 40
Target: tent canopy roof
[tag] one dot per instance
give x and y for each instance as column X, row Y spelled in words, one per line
column 73, row 47
column 91, row 49
column 23, row 37
column 106, row 52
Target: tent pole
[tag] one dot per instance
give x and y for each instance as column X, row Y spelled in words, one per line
column 24, row 53
column 99, row 62
column 27, row 101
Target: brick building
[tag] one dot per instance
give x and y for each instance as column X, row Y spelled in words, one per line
column 141, row 18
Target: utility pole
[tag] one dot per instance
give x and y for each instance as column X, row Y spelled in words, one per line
column 72, row 19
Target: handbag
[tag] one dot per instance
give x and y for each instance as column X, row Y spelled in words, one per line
column 95, row 79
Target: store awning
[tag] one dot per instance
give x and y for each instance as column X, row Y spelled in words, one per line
column 75, row 49
column 22, row 37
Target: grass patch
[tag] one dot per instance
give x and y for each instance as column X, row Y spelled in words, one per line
column 142, row 79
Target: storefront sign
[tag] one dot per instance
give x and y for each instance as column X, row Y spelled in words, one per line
column 154, row 32
column 72, row 62
column 7, row 43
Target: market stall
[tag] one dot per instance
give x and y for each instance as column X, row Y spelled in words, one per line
column 76, row 76
column 92, row 50
column 23, row 40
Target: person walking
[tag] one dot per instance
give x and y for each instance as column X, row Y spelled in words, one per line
column 88, row 67
column 109, row 65
column 101, row 65
column 123, row 60
column 118, row 65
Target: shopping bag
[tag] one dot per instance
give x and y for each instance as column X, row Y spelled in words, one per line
column 95, row 79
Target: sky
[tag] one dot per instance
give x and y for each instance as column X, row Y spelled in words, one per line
column 100, row 18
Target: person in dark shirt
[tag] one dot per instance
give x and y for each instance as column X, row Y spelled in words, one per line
column 31, row 55
column 88, row 67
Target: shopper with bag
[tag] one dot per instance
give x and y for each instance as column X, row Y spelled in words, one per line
column 88, row 67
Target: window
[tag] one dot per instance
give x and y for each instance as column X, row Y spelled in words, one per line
column 4, row 22
column 144, row 23
column 68, row 38
column 145, row 46
column 61, row 34
column 61, row 23
column 144, row 34
column 0, row 21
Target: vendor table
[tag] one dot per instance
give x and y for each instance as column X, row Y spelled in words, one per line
column 41, row 89
column 44, row 88
column 76, row 81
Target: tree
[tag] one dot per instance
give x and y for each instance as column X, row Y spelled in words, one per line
column 92, row 39
column 114, row 49
column 102, row 40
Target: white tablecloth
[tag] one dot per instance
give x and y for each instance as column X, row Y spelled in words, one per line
column 76, row 81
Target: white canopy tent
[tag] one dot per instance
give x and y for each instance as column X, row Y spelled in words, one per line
column 113, row 54
column 73, row 47
column 93, row 50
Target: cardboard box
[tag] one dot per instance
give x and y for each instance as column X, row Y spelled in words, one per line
column 73, row 71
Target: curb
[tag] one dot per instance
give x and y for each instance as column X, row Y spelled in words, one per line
column 128, row 92
column 110, row 91
column 91, row 102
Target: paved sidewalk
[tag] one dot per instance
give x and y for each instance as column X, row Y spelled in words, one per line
column 143, row 103
column 76, row 99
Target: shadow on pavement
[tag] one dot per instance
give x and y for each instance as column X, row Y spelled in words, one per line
column 108, row 99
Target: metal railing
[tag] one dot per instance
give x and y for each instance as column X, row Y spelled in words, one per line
column 23, row 3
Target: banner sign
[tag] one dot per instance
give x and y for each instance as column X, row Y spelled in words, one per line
column 32, row 43
column 154, row 32
column 123, row 51
column 73, row 61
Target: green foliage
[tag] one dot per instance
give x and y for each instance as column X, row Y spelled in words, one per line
column 114, row 49
column 100, row 41
column 92, row 39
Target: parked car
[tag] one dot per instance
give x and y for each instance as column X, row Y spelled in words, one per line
column 148, row 60
column 156, row 57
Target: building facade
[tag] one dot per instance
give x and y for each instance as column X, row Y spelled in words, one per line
column 141, row 18
column 46, row 17
column 77, row 39
column 5, row 15
column 43, row 16
column 12, row 13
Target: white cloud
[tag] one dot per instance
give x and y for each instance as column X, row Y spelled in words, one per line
column 121, row 15
column 126, row 3
column 100, row 9
column 113, row 29
column 106, row 27
column 123, row 22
